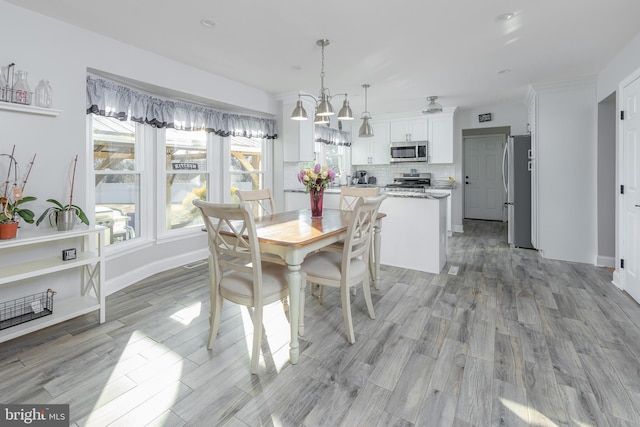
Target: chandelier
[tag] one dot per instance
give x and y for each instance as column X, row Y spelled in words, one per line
column 324, row 109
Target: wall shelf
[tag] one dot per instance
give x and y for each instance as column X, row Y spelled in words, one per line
column 30, row 109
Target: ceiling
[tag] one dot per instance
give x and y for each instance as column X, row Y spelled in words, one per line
column 407, row 50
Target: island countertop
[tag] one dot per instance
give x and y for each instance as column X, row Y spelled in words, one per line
column 394, row 193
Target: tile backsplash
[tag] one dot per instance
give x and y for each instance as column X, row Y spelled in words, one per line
column 383, row 173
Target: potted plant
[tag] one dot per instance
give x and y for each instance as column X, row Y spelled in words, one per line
column 64, row 216
column 11, row 199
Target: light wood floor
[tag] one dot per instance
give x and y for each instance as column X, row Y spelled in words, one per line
column 512, row 340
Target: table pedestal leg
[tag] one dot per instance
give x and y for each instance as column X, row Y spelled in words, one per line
column 294, row 281
column 303, row 285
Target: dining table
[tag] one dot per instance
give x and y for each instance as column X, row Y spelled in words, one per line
column 293, row 235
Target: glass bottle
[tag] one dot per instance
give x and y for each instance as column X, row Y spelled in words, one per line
column 4, row 90
column 21, row 93
column 43, row 94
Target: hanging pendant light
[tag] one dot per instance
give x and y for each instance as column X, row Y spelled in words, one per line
column 323, row 102
column 299, row 112
column 433, row 106
column 366, row 130
column 345, row 112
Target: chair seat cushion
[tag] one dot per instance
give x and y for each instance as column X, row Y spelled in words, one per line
column 237, row 286
column 327, row 265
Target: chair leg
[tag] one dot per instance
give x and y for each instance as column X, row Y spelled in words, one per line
column 366, row 290
column 214, row 319
column 346, row 313
column 257, row 338
column 320, row 291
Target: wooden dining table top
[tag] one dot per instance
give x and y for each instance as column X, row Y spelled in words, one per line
column 297, row 228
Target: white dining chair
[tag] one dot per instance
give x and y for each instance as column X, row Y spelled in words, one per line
column 348, row 199
column 261, row 201
column 347, row 269
column 236, row 270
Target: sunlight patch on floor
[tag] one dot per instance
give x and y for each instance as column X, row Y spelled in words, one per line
column 187, row 314
column 528, row 414
column 275, row 336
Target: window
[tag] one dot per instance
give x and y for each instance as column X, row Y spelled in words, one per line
column 246, row 164
column 187, row 176
column 117, row 169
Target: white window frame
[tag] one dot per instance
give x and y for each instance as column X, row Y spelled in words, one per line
column 145, row 143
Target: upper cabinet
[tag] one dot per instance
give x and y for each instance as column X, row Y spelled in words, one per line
column 374, row 150
column 441, row 138
column 298, row 135
column 410, row 130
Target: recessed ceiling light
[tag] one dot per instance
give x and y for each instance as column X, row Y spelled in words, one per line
column 207, row 23
column 505, row 16
column 505, row 71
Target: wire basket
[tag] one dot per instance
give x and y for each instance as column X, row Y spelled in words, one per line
column 25, row 309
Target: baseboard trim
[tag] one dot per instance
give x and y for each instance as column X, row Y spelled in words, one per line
column 605, row 261
column 120, row 282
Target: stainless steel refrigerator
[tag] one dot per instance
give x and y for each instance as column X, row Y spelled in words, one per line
column 516, row 177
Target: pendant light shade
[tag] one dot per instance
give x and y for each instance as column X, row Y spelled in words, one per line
column 366, row 130
column 324, row 108
column 323, row 102
column 433, row 106
column 345, row 112
column 321, row 120
column 299, row 112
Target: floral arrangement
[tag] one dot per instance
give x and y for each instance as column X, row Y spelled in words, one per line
column 316, row 178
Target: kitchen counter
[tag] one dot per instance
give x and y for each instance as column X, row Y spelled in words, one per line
column 394, row 193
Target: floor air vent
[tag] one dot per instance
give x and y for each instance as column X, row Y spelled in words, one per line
column 195, row 264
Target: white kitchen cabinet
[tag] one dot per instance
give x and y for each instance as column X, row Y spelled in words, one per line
column 441, row 138
column 35, row 254
column 298, row 135
column 409, row 130
column 374, row 150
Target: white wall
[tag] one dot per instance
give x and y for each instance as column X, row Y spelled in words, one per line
column 621, row 66
column 566, row 161
column 507, row 114
column 49, row 49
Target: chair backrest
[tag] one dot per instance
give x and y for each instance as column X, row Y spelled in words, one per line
column 349, row 196
column 233, row 242
column 261, row 201
column 357, row 243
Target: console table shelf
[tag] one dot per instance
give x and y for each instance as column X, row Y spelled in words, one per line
column 89, row 258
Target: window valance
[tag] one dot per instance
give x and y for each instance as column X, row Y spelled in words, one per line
column 332, row 136
column 113, row 99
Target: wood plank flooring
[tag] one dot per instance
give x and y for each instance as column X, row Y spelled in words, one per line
column 512, row 340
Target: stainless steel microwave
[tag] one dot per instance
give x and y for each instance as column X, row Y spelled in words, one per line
column 408, row 151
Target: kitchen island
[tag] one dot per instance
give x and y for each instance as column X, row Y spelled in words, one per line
column 414, row 232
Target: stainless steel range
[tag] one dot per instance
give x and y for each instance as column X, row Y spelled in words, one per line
column 417, row 182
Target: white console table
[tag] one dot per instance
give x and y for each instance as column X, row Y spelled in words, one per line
column 89, row 244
